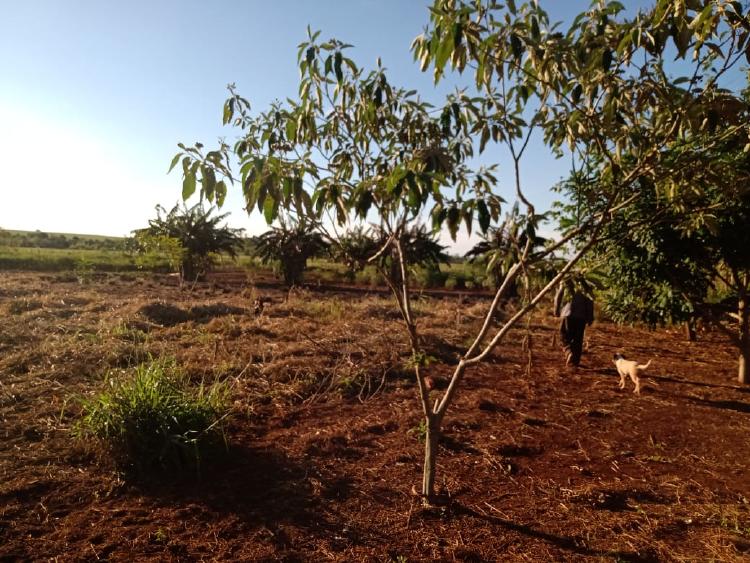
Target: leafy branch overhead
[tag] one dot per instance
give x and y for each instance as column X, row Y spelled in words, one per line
column 348, row 143
column 598, row 88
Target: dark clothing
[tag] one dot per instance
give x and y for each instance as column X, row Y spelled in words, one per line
column 579, row 307
column 571, row 337
column 576, row 314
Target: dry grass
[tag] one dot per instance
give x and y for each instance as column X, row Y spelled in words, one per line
column 538, row 464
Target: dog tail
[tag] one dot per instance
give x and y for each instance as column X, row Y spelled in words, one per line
column 645, row 366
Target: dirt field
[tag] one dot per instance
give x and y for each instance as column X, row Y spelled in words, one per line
column 537, row 463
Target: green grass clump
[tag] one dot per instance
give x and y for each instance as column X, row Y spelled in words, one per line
column 154, row 419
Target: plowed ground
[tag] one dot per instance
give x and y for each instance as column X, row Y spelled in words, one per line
column 537, row 463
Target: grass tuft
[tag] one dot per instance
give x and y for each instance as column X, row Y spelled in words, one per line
column 154, row 419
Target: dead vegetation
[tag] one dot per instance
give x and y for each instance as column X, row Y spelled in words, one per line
column 536, row 463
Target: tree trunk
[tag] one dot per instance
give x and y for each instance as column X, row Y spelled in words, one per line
column 430, row 455
column 744, row 339
column 690, row 330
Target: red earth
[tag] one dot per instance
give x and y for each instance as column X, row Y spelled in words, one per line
column 537, row 463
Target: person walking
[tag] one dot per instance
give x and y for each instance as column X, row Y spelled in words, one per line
column 576, row 310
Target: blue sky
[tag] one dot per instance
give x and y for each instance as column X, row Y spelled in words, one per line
column 95, row 95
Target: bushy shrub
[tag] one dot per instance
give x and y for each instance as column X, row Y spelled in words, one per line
column 369, row 276
column 430, row 276
column 188, row 237
column 154, row 419
column 289, row 247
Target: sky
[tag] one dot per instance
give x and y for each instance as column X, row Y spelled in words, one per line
column 95, row 95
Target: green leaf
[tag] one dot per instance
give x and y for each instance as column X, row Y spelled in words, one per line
column 175, row 160
column 208, row 181
column 468, row 214
column 484, row 138
column 270, row 206
column 439, row 213
column 624, row 43
column 443, row 52
column 484, row 216
column 188, row 185
column 364, row 203
column 228, row 111
column 286, row 188
column 576, row 94
column 457, row 34
column 681, row 37
column 337, row 59
column 516, row 46
column 535, row 29
column 414, row 198
column 221, row 192
column 606, row 60
column 454, row 218
column 328, row 65
column 291, row 130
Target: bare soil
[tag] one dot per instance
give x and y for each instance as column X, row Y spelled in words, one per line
column 537, row 463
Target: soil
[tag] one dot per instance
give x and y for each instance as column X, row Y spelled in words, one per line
column 537, row 462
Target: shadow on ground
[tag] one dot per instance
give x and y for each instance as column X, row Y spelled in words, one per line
column 264, row 489
column 166, row 314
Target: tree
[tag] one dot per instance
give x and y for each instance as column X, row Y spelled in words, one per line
column 199, row 235
column 354, row 249
column 292, row 244
column 599, row 89
column 685, row 233
column 663, row 257
column 357, row 143
column 419, row 247
column 651, row 272
column 501, row 247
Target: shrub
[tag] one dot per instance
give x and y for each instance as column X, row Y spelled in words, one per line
column 290, row 246
column 369, row 276
column 430, row 276
column 154, row 419
column 84, row 270
column 189, row 237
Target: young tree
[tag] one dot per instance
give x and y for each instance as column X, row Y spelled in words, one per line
column 651, row 271
column 358, row 144
column 501, row 247
column 199, row 235
column 358, row 248
column 419, row 248
column 354, row 249
column 291, row 244
column 664, row 258
column 599, row 88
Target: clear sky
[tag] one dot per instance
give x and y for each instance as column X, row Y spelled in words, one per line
column 94, row 95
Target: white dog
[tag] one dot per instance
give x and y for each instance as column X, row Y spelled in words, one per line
column 631, row 368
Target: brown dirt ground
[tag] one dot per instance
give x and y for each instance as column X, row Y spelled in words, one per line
column 537, row 463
